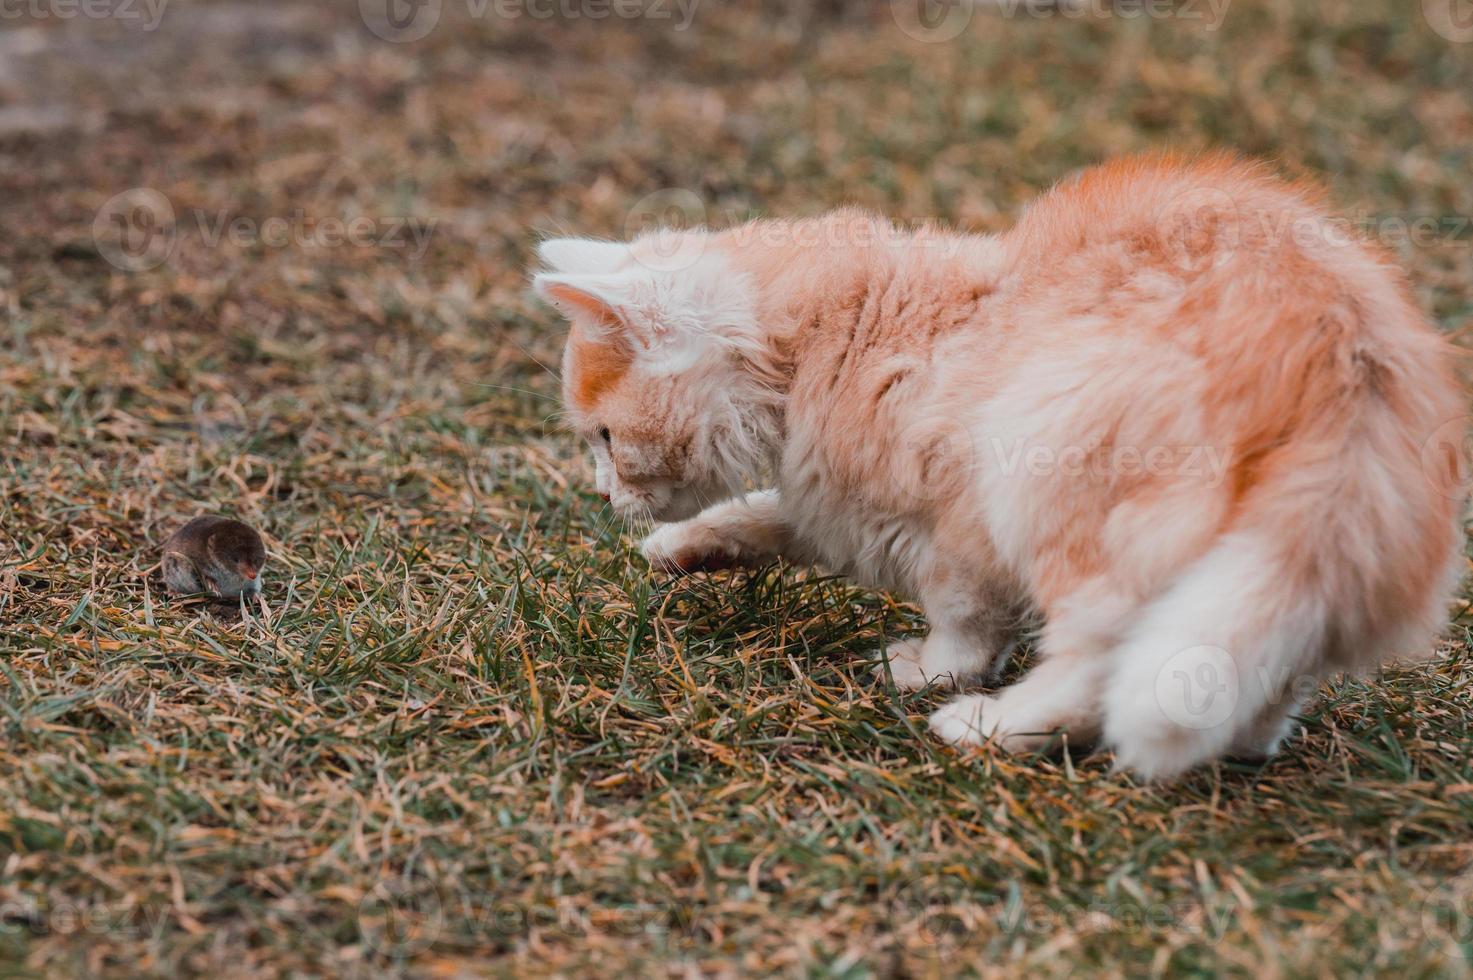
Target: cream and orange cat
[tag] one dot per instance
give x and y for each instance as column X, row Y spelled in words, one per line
column 1176, row 413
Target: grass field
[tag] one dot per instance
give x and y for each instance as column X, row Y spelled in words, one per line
column 468, row 733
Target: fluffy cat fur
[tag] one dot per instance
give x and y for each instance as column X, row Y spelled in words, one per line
column 1177, row 412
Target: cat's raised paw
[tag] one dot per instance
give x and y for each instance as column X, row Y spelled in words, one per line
column 686, row 547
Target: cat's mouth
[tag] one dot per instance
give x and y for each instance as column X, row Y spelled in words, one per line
column 663, row 503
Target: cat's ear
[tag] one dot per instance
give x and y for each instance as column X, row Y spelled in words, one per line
column 604, row 303
column 584, row 255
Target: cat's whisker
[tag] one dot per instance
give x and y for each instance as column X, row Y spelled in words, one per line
column 533, row 358
column 602, row 526
column 523, row 391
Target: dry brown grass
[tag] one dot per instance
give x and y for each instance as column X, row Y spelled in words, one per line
column 469, row 734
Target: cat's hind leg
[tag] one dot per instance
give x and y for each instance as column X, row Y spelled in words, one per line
column 1261, row 740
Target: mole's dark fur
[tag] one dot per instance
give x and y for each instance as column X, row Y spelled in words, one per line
column 217, row 555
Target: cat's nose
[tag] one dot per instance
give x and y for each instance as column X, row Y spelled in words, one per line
column 604, row 497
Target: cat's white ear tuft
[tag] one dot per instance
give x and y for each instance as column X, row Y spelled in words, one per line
column 578, row 295
column 602, row 302
column 584, row 255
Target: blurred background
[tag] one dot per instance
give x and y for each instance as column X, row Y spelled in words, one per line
column 269, row 259
column 225, row 210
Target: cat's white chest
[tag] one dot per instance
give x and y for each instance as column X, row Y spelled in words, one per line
column 852, row 536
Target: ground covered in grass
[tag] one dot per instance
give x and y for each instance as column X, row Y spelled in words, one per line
column 467, row 733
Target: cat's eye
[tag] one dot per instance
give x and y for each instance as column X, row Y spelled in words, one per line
column 603, row 433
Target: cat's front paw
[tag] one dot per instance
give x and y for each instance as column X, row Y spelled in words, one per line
column 906, row 664
column 977, row 719
column 969, row 720
column 688, row 547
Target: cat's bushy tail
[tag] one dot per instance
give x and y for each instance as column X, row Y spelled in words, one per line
column 1214, row 663
column 1342, row 553
column 1217, row 662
